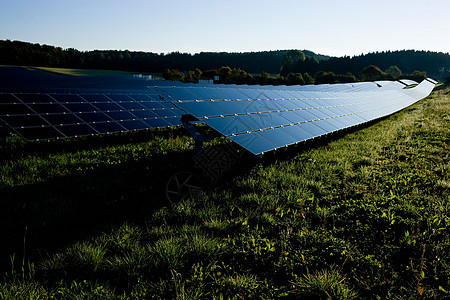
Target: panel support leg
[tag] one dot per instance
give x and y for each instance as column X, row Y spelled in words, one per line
column 3, row 137
column 198, row 136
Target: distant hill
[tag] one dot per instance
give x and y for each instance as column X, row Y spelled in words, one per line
column 22, row 53
column 436, row 64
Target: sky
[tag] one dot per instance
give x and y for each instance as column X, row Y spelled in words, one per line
column 335, row 28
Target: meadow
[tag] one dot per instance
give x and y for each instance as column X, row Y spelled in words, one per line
column 89, row 72
column 364, row 214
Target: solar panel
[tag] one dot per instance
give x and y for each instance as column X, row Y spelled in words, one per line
column 259, row 118
column 56, row 114
column 275, row 117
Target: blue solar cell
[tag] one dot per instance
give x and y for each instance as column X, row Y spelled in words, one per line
column 307, row 114
column 69, row 98
column 253, row 93
column 35, row 98
column 107, row 127
column 167, row 105
column 282, row 94
column 254, row 106
column 107, row 106
column 39, row 133
column 329, row 125
column 343, row 110
column 152, row 105
column 277, row 119
column 166, row 113
column 341, row 122
column 269, row 94
column 76, row 130
column 348, row 120
column 93, row 117
column 14, row 109
column 233, row 94
column 278, row 136
column 25, row 121
column 298, row 132
column 141, row 98
column 207, row 93
column 145, row 114
column 80, row 107
column 300, row 104
column 229, row 107
column 285, row 104
column 312, row 128
column 322, row 113
column 155, row 123
column 155, row 97
column 48, row 108
column 95, row 98
column 226, row 125
column 200, row 109
column 8, row 98
column 58, row 119
column 254, row 142
column 180, row 94
column 119, row 98
column 292, row 116
column 133, row 124
column 274, row 105
column 131, row 105
column 120, row 115
column 256, row 121
column 173, row 121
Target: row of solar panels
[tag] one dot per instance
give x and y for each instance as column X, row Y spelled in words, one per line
column 260, row 118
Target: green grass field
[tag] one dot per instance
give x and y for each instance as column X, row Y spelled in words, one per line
column 89, row 72
column 82, row 72
column 361, row 215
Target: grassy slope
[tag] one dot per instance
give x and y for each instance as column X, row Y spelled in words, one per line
column 90, row 72
column 366, row 216
column 82, row 72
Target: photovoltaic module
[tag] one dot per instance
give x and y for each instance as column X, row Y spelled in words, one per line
column 259, row 118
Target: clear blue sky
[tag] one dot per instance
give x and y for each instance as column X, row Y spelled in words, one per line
column 327, row 27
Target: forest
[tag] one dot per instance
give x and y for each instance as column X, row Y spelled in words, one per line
column 286, row 66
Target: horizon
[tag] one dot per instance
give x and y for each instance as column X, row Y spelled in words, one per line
column 235, row 27
column 271, row 50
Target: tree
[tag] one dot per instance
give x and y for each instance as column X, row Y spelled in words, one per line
column 173, row 75
column 291, row 57
column 225, row 73
column 347, row 78
column 372, row 73
column 394, row 71
column 193, row 76
column 322, row 77
column 291, row 60
column 295, row 78
column 308, row 78
column 417, row 76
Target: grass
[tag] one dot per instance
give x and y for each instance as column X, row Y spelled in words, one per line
column 89, row 72
column 83, row 72
column 365, row 215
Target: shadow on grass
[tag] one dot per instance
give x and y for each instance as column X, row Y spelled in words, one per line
column 44, row 217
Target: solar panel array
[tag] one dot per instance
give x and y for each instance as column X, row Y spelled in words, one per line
column 262, row 119
column 47, row 115
column 259, row 118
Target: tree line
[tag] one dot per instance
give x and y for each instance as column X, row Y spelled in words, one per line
column 290, row 73
column 291, row 66
column 23, row 53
